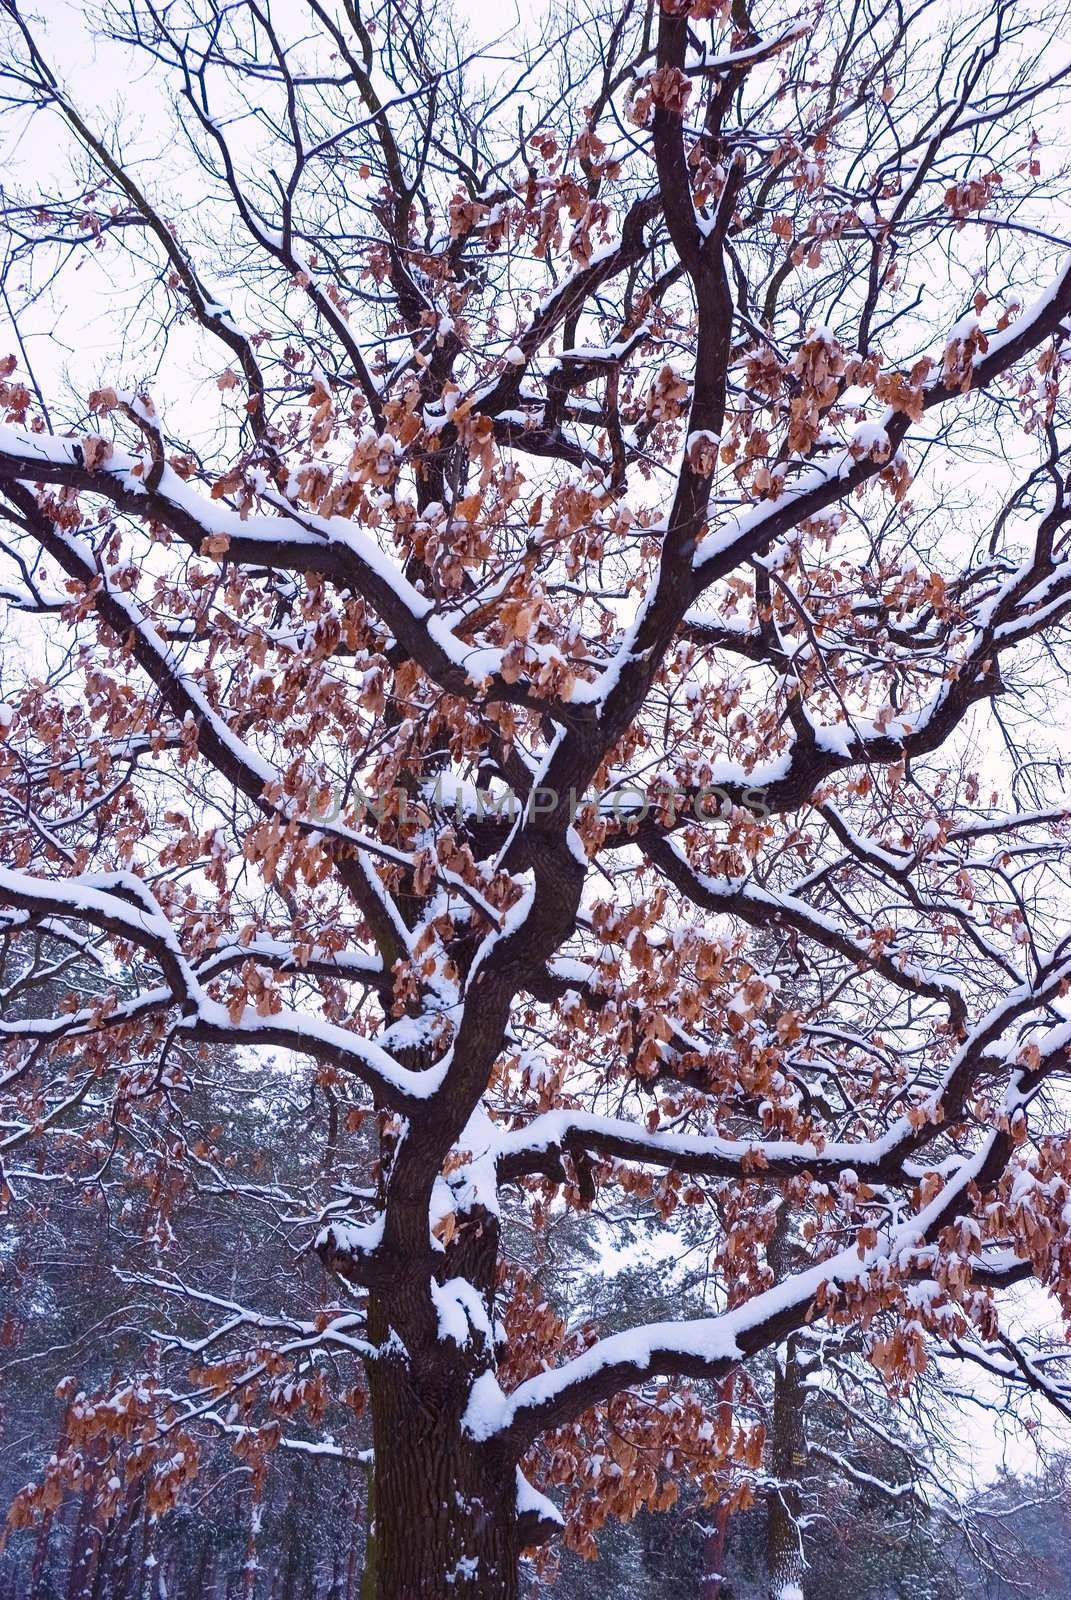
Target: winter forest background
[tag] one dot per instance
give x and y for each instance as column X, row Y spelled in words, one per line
column 90, row 1315
column 535, row 854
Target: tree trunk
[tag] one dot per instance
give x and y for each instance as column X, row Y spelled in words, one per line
column 712, row 1583
column 122, row 1577
column 147, row 1585
column 348, row 1591
column 784, row 1558
column 444, row 1522
column 368, row 1576
column 445, row 1507
column 715, row 1542
column 85, row 1547
column 206, row 1587
column 292, row 1541
column 38, row 1581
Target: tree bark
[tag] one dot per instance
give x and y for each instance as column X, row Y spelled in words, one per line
column 784, row 1559
column 122, row 1577
column 712, row 1583
column 445, row 1507
column 85, row 1547
column 715, row 1543
column 38, row 1570
column 368, row 1576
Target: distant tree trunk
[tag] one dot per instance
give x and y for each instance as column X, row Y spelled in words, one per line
column 712, row 1583
column 102, row 1587
column 206, row 1575
column 170, row 1582
column 38, row 1569
column 148, row 1586
column 248, row 1585
column 122, row 1578
column 784, row 1560
column 85, row 1548
column 348, row 1591
column 340, row 1570
column 369, row 1577
column 292, row 1540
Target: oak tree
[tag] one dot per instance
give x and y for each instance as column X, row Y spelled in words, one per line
column 546, row 615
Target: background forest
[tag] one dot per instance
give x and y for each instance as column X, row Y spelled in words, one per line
column 885, row 1510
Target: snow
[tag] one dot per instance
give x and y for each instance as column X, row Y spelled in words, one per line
column 466, row 1567
column 870, row 438
column 1037, row 309
column 606, row 252
column 353, row 1238
column 394, row 596
column 309, row 1035
column 349, row 963
column 96, row 896
column 749, row 521
column 486, row 1408
column 475, row 1184
column 574, row 973
column 714, row 1342
column 530, row 1500
column 576, row 846
column 727, row 622
column 551, row 1129
column 461, row 1312
column 962, row 329
column 638, row 1351
column 510, row 924
column 817, row 476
